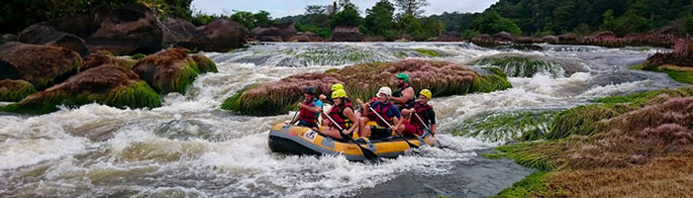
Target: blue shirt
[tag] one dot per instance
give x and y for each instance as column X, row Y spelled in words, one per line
column 392, row 112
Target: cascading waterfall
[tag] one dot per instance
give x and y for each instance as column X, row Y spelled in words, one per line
column 189, row 147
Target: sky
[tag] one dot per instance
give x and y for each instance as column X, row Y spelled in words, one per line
column 282, row 8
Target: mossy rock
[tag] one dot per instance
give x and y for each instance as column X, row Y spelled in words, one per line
column 109, row 85
column 521, row 65
column 507, row 126
column 170, row 71
column 205, row 64
column 362, row 81
column 40, row 65
column 98, row 59
column 15, row 90
column 427, row 52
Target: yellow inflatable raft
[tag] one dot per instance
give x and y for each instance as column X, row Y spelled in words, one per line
column 299, row 140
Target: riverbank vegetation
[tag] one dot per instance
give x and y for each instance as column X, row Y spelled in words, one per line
column 638, row 145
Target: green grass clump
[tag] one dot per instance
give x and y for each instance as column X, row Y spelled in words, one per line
column 135, row 95
column 512, row 126
column 536, row 184
column 427, row 52
column 491, row 83
column 137, row 56
column 528, row 155
column 245, row 102
column 521, row 66
column 181, row 80
column 204, row 64
column 679, row 74
column 15, row 90
column 644, row 98
column 583, row 120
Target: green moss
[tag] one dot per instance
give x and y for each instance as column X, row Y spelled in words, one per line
column 181, row 80
column 427, row 52
column 583, row 120
column 642, row 98
column 246, row 104
column 205, row 64
column 491, row 83
column 536, row 184
column 521, row 66
column 137, row 95
column 679, row 75
column 22, row 91
column 511, row 126
column 137, row 56
column 525, row 156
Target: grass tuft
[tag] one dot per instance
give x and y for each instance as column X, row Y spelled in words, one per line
column 521, row 66
column 15, row 90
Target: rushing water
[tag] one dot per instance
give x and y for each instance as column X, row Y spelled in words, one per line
column 189, row 147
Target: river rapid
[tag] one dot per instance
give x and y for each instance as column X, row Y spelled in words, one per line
column 192, row 148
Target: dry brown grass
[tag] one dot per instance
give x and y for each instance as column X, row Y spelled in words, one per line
column 662, row 177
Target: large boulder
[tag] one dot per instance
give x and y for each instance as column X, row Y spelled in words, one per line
column 98, row 59
column 7, row 38
column 178, row 30
column 169, row 71
column 42, row 34
column 15, row 90
column 41, row 65
column 81, row 25
column 283, row 30
column 570, row 38
column 129, row 30
column 550, row 39
column 220, row 35
column 110, row 85
column 347, row 34
column 605, row 34
column 504, row 37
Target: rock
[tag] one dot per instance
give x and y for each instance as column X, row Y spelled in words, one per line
column 405, row 38
column 570, row 38
column 605, row 34
column 551, row 39
column 110, row 85
column 449, row 38
column 15, row 90
column 204, row 63
column 299, row 38
column 41, row 65
column 98, row 59
column 42, row 34
column 129, row 30
column 484, row 40
column 347, row 34
column 283, row 30
column 220, row 35
column 271, row 39
column 8, row 38
column 168, row 71
column 504, row 37
column 670, row 29
column 178, row 30
column 81, row 25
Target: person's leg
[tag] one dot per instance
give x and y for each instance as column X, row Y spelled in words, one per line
column 363, row 130
column 334, row 133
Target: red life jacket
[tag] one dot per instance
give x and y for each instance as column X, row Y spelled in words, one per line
column 421, row 111
column 306, row 115
column 382, row 110
column 337, row 114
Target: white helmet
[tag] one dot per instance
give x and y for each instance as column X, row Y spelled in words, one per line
column 385, row 90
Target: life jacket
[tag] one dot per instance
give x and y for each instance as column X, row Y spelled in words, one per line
column 337, row 114
column 306, row 115
column 382, row 110
column 421, row 111
column 398, row 93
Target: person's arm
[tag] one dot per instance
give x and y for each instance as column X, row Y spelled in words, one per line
column 314, row 109
column 432, row 119
column 349, row 113
column 396, row 116
column 407, row 94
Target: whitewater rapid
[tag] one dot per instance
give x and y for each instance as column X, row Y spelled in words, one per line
column 190, row 147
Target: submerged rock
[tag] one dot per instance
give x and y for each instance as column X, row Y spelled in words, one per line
column 15, row 90
column 168, row 71
column 40, row 65
column 363, row 81
column 110, row 85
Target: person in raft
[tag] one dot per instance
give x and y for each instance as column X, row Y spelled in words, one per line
column 310, row 109
column 404, row 96
column 386, row 109
column 334, row 87
column 342, row 113
column 421, row 116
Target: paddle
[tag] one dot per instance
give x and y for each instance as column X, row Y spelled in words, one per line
column 388, row 124
column 428, row 128
column 370, row 155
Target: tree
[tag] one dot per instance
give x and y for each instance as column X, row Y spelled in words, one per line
column 411, row 7
column 491, row 23
column 379, row 19
column 349, row 16
column 631, row 22
column 262, row 18
column 609, row 21
column 244, row 18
